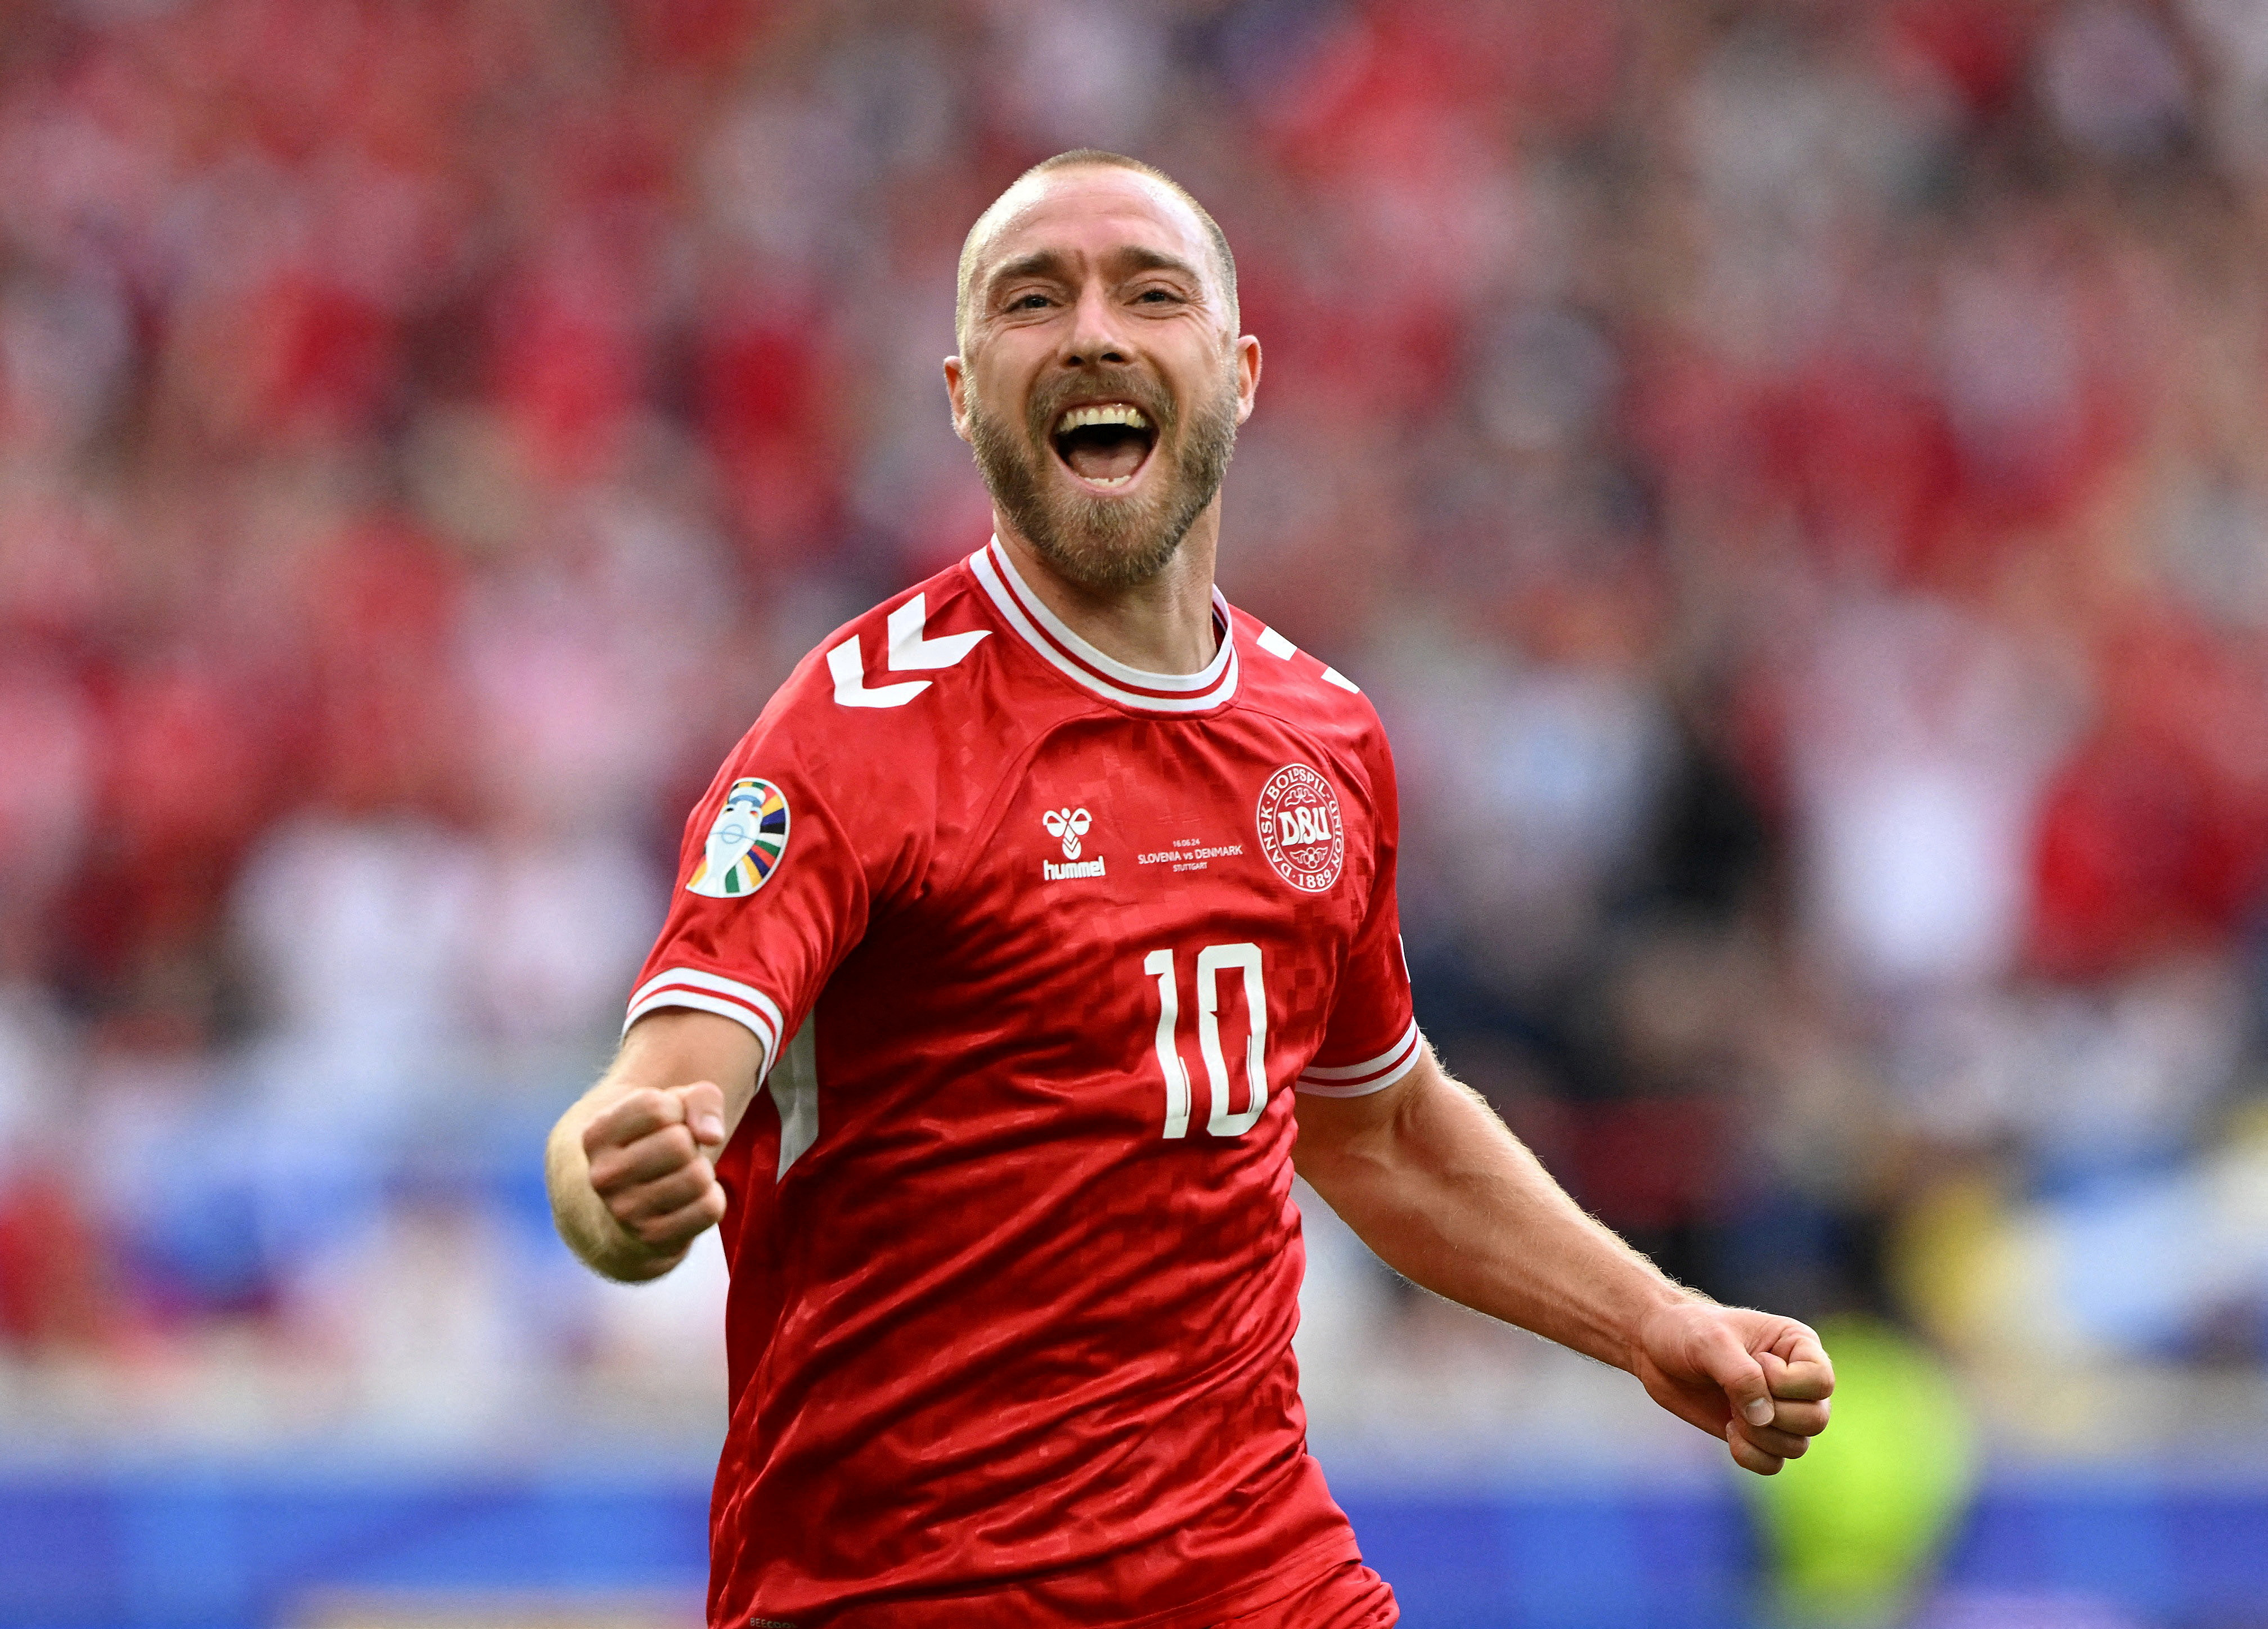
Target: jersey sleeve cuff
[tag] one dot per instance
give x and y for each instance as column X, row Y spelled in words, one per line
column 707, row 991
column 1360, row 1079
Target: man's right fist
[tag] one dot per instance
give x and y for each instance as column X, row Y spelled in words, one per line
column 649, row 1155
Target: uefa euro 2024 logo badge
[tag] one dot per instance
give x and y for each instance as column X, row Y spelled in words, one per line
column 744, row 842
column 1300, row 831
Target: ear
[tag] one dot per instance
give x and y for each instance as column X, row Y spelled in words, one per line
column 956, row 392
column 1247, row 375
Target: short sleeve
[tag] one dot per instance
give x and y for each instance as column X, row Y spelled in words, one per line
column 783, row 862
column 1372, row 1040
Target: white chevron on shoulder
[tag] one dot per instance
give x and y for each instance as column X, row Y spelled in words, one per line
column 909, row 652
column 849, row 671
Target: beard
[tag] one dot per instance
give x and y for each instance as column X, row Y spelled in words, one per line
column 1106, row 544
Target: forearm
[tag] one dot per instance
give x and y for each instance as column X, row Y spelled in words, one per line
column 1445, row 1194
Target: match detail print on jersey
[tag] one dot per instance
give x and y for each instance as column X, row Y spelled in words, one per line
column 1300, row 830
column 744, row 842
column 910, row 651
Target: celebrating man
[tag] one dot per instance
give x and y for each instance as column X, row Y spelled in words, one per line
column 1051, row 904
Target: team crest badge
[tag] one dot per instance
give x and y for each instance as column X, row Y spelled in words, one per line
column 745, row 844
column 1300, row 831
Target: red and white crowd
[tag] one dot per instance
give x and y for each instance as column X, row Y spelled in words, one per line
column 1794, row 477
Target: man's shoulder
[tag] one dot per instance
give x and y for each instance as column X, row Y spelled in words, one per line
column 897, row 662
column 907, row 706
column 1301, row 688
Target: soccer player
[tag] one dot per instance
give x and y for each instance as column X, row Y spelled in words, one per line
column 1043, row 924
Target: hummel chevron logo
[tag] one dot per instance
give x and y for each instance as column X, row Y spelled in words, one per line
column 908, row 653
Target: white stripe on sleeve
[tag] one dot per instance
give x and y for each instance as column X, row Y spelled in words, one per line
column 709, row 991
column 1360, row 1079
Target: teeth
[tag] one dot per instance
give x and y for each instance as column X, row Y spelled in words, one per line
column 1106, row 480
column 1106, row 413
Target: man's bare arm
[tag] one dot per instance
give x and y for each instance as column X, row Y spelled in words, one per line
column 1430, row 1180
column 629, row 1167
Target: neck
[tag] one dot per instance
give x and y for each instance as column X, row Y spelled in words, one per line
column 1163, row 626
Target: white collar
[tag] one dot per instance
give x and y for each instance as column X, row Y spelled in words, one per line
column 1108, row 676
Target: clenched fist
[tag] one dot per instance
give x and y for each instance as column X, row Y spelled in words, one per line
column 650, row 1155
column 1759, row 1381
column 628, row 1166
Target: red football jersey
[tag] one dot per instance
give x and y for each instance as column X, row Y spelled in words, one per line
column 1038, row 946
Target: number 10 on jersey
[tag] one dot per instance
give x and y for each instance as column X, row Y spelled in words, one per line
column 1213, row 961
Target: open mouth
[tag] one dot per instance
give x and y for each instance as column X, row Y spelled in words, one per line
column 1105, row 444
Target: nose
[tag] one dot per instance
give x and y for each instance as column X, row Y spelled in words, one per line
column 1096, row 337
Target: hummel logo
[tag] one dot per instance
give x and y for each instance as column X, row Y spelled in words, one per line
column 1070, row 825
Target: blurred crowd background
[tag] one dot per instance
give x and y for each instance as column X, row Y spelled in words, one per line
column 1792, row 476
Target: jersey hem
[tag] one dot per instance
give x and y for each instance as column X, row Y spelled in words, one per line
column 1288, row 1576
column 1302, row 1567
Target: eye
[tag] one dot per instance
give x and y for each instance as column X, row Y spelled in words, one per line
column 1159, row 295
column 1027, row 302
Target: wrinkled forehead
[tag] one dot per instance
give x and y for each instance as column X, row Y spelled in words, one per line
column 1086, row 213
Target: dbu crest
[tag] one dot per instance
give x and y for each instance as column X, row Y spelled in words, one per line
column 1300, row 831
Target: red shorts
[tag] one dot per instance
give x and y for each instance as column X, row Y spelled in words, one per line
column 1348, row 1596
